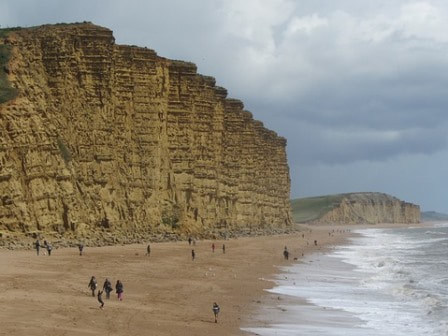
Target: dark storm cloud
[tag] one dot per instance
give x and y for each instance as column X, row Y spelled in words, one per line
column 354, row 90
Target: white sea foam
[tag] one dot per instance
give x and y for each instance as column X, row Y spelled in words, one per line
column 435, row 232
column 386, row 282
column 441, row 225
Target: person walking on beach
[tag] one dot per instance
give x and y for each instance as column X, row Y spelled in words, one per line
column 213, row 247
column 100, row 299
column 80, row 247
column 315, row 243
column 92, row 285
column 107, row 287
column 223, row 248
column 148, row 250
column 193, row 255
column 216, row 310
column 286, row 253
column 189, row 240
column 119, row 290
column 37, row 246
column 49, row 248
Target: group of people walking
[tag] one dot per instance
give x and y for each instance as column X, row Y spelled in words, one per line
column 107, row 287
column 193, row 253
column 223, row 248
column 46, row 246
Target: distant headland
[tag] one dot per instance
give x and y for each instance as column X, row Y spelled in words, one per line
column 354, row 208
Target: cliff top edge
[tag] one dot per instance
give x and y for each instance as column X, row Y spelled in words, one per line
column 90, row 29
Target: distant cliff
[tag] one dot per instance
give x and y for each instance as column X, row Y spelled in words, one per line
column 107, row 137
column 354, row 208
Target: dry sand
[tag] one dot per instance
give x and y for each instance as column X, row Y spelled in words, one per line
column 164, row 294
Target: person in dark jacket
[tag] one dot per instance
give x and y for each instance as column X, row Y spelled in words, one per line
column 81, row 248
column 216, row 310
column 107, row 287
column 37, row 246
column 49, row 249
column 286, row 253
column 119, row 290
column 92, row 285
column 100, row 299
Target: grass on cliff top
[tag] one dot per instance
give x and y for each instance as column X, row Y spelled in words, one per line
column 6, row 91
column 312, row 208
column 5, row 31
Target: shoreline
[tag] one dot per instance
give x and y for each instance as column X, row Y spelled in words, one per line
column 271, row 306
column 284, row 312
column 166, row 293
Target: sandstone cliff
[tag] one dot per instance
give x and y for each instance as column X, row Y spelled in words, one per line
column 355, row 208
column 116, row 138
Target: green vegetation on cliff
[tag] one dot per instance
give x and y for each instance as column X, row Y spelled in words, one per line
column 6, row 91
column 5, row 31
column 312, row 208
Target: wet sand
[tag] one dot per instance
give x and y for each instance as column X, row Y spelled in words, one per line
column 164, row 294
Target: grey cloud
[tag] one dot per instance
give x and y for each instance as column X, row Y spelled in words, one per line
column 344, row 146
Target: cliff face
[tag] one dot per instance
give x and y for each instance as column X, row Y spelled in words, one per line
column 371, row 208
column 106, row 136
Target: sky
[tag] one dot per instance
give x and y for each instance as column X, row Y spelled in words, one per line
column 358, row 87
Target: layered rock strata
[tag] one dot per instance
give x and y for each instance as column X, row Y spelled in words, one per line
column 111, row 137
column 363, row 208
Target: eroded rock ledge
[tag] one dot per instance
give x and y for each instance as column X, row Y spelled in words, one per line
column 113, row 138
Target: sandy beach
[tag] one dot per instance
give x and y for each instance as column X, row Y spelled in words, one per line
column 166, row 293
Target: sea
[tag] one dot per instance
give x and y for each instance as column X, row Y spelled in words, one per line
column 383, row 282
